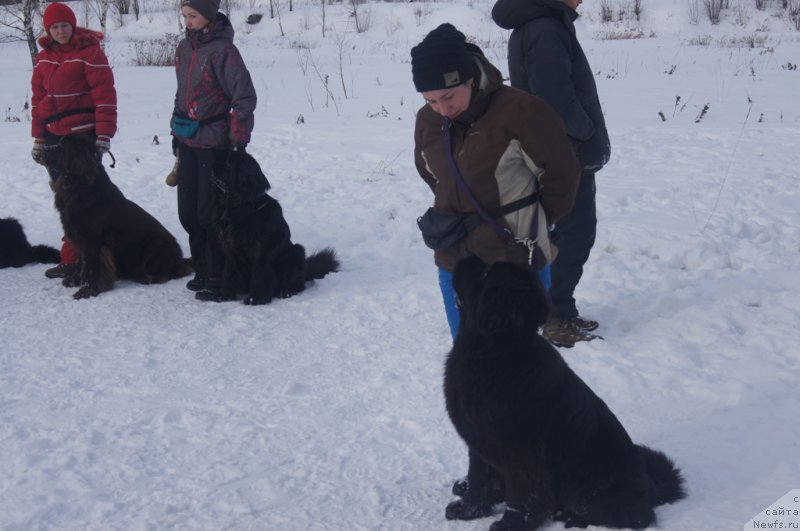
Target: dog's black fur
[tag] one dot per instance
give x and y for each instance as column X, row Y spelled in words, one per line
column 532, row 425
column 15, row 251
column 261, row 261
column 115, row 237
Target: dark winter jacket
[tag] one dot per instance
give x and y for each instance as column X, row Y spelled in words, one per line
column 507, row 145
column 213, row 81
column 545, row 59
column 73, row 76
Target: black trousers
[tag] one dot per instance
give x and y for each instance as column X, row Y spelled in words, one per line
column 196, row 204
column 574, row 235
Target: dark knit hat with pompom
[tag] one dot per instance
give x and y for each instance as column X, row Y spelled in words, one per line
column 441, row 60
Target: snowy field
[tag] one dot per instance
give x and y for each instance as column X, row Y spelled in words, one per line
column 144, row 409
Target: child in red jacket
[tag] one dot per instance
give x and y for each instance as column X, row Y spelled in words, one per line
column 72, row 93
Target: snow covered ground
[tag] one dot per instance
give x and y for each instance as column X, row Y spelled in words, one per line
column 144, row 409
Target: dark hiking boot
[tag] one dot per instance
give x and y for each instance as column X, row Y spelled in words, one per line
column 565, row 333
column 196, row 284
column 62, row 271
column 212, row 291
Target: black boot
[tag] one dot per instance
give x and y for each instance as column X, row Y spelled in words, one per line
column 196, row 284
column 209, row 291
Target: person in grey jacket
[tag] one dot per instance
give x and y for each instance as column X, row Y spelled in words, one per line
column 546, row 59
column 212, row 119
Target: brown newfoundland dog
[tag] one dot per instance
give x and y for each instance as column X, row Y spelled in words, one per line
column 261, row 261
column 538, row 437
column 115, row 237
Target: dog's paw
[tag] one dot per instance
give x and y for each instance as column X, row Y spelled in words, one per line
column 86, row 292
column 71, row 281
column 514, row 520
column 461, row 510
column 252, row 300
column 215, row 296
column 571, row 520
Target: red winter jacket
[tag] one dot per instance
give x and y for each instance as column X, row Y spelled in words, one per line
column 70, row 76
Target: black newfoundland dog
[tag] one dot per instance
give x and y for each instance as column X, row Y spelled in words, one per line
column 115, row 237
column 261, row 262
column 15, row 251
column 538, row 437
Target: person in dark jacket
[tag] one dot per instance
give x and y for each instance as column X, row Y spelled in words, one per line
column 72, row 92
column 212, row 119
column 546, row 59
column 507, row 145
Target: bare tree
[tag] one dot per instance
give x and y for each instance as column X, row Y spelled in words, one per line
column 322, row 3
column 606, row 11
column 714, row 9
column 694, row 11
column 637, row 9
column 278, row 13
column 17, row 24
column 100, row 9
column 341, row 42
column 362, row 18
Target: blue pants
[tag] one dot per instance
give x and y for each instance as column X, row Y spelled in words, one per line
column 449, row 295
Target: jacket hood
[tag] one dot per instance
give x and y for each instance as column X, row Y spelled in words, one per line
column 220, row 29
column 81, row 38
column 487, row 80
column 512, row 14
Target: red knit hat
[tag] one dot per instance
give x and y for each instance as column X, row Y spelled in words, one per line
column 55, row 13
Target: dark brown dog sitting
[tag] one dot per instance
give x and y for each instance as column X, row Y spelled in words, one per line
column 261, row 261
column 114, row 236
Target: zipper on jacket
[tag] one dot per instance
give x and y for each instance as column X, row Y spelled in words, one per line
column 188, row 79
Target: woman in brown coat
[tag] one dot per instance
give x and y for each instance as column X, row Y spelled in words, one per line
column 509, row 146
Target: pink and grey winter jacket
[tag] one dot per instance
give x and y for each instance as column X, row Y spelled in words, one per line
column 213, row 80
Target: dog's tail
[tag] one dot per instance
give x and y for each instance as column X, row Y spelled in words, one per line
column 666, row 478
column 44, row 254
column 320, row 264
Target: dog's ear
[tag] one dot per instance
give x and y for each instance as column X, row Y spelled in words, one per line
column 253, row 169
column 467, row 277
column 511, row 300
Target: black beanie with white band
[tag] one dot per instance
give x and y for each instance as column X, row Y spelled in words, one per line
column 441, row 60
